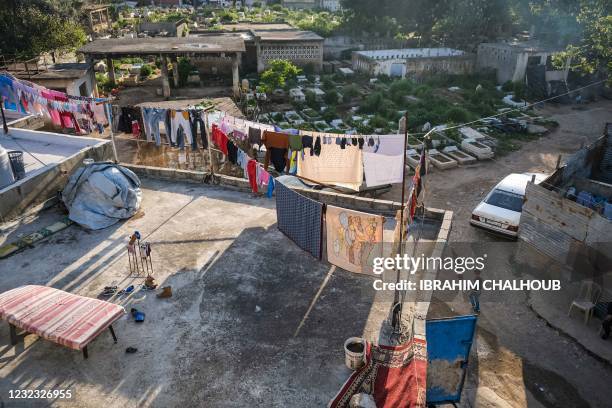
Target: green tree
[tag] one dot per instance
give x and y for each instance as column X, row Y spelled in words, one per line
column 593, row 55
column 277, row 75
column 31, row 27
column 349, row 92
column 331, row 97
column 311, row 100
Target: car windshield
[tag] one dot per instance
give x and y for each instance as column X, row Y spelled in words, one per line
column 505, row 199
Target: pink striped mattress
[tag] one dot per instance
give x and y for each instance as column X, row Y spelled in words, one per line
column 61, row 317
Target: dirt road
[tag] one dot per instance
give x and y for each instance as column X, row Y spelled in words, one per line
column 517, row 359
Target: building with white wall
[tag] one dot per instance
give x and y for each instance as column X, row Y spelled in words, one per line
column 413, row 62
column 71, row 78
column 331, row 5
column 511, row 61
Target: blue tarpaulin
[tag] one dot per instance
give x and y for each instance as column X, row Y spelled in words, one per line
column 449, row 341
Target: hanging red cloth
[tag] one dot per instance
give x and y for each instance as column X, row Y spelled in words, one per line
column 68, row 121
column 135, row 128
column 220, row 139
column 252, row 174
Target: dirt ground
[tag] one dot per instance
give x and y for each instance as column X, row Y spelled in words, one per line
column 517, row 359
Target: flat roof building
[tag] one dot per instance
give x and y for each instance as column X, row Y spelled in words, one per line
column 208, row 52
column 413, row 62
column 265, row 42
column 511, row 60
column 71, row 78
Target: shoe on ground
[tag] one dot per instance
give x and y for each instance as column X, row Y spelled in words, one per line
column 166, row 292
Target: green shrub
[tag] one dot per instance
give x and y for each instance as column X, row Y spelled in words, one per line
column 146, row 71
column 508, row 86
column 184, row 69
column 458, row 115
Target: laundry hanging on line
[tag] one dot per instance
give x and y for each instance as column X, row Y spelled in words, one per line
column 79, row 114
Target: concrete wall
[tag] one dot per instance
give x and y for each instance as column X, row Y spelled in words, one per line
column 206, row 65
column 300, row 4
column 511, row 62
column 414, row 67
column 171, row 27
column 70, row 86
column 44, row 184
column 301, row 53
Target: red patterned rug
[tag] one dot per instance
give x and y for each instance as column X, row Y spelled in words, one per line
column 394, row 376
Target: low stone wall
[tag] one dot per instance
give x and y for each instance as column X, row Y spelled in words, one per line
column 43, row 187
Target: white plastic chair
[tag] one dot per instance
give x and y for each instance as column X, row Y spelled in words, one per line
column 589, row 295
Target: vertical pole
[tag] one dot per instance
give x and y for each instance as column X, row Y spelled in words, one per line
column 109, row 116
column 4, row 125
column 235, row 77
column 210, row 157
column 396, row 305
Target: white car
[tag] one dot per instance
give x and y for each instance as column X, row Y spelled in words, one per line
column 500, row 211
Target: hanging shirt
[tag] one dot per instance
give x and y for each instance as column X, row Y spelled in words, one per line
column 242, row 160
column 254, row 136
column 232, row 152
column 180, row 120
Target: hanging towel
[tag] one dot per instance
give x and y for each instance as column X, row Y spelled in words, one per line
column 391, row 145
column 381, row 169
column 342, row 167
column 295, row 142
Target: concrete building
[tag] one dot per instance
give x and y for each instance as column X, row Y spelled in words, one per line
column 331, row 5
column 301, row 4
column 268, row 41
column 511, row 61
column 303, row 48
column 71, row 78
column 163, row 28
column 212, row 54
column 413, row 62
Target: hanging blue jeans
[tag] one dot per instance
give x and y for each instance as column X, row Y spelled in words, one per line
column 195, row 118
column 151, row 118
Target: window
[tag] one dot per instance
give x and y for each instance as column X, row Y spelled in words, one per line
column 505, row 199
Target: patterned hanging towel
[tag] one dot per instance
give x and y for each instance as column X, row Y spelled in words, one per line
column 299, row 218
column 394, row 375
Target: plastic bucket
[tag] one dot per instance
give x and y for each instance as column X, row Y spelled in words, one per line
column 16, row 158
column 354, row 352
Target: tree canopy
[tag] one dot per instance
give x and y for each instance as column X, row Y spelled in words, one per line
column 31, row 27
column 277, row 74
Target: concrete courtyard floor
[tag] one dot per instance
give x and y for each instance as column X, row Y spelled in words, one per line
column 254, row 320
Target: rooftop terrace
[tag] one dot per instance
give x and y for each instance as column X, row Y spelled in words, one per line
column 253, row 316
column 200, row 44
